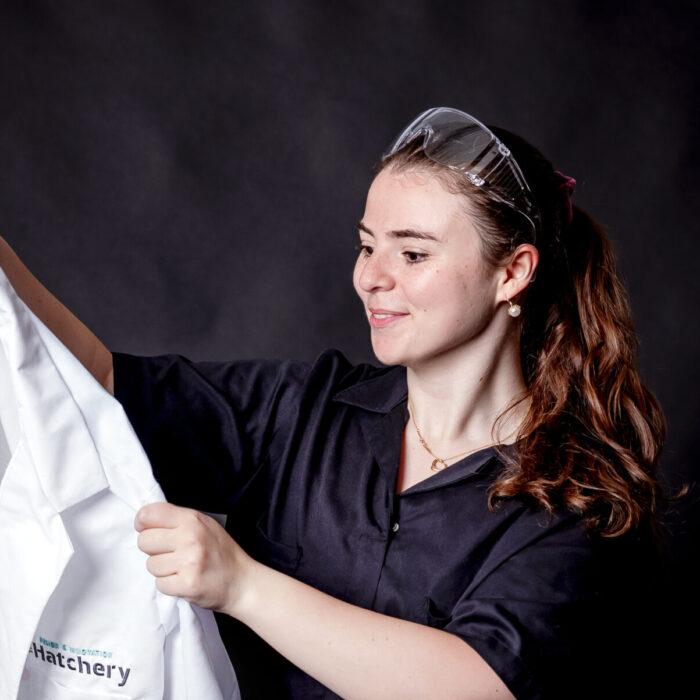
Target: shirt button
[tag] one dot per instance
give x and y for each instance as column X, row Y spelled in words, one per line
column 395, row 527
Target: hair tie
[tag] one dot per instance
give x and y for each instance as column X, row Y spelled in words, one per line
column 567, row 185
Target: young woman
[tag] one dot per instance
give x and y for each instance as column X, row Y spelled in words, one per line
column 463, row 523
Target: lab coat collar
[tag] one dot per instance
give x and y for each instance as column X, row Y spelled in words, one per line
column 45, row 406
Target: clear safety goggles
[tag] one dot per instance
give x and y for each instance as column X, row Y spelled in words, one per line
column 460, row 142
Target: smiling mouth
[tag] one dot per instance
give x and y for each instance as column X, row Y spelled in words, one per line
column 382, row 318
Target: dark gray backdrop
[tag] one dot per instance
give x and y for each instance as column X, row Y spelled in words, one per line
column 186, row 176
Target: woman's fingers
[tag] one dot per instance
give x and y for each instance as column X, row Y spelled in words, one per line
column 172, row 585
column 162, row 515
column 156, row 541
column 162, row 564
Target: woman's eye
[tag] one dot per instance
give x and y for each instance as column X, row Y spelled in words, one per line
column 413, row 257
column 365, row 250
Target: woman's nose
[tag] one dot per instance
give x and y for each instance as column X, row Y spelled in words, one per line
column 375, row 273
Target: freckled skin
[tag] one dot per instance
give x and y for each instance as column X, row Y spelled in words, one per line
column 399, row 274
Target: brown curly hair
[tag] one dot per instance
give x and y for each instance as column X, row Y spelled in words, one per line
column 592, row 436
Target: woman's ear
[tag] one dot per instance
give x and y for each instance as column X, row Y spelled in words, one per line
column 519, row 271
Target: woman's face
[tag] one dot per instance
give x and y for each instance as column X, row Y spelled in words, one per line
column 420, row 273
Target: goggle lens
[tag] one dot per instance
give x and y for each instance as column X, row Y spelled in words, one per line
column 461, row 142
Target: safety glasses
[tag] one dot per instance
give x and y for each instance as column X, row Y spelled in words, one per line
column 460, row 142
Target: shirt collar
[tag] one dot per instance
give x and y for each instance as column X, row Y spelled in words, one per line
column 380, row 393
column 482, row 463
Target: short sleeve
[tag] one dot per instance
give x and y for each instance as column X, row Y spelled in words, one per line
column 539, row 618
column 205, row 426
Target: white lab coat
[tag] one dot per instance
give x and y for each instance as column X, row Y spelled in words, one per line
column 80, row 616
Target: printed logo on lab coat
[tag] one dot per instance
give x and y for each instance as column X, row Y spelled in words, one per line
column 78, row 663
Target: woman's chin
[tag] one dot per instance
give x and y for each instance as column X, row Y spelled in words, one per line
column 389, row 356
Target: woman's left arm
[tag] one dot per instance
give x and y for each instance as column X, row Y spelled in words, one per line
column 355, row 652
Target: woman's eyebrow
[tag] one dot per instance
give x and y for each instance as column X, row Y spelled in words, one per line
column 401, row 233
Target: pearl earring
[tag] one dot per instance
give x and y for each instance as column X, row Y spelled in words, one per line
column 513, row 309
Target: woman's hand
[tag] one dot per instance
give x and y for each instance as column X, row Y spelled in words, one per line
column 192, row 556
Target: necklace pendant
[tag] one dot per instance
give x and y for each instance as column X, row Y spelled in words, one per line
column 438, row 465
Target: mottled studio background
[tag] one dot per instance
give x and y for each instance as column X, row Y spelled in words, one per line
column 186, row 176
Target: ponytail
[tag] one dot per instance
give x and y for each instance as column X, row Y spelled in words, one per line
column 593, row 434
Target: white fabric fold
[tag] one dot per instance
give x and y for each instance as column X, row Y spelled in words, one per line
column 81, row 617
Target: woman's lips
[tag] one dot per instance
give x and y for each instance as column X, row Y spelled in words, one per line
column 379, row 318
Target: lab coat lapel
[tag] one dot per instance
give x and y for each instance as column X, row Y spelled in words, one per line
column 47, row 410
column 32, row 534
column 48, row 407
column 116, row 459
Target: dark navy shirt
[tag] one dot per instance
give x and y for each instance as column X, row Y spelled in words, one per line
column 304, row 460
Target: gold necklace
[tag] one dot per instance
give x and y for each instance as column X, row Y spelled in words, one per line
column 439, row 463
